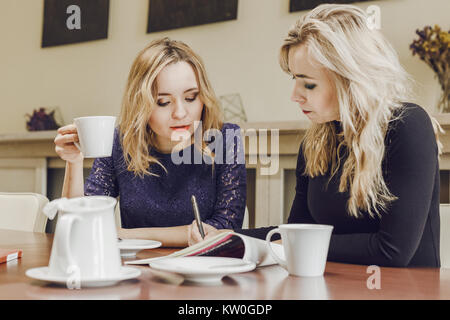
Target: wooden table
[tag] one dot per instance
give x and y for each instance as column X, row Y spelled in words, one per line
column 341, row 281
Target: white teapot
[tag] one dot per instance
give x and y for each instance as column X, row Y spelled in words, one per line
column 85, row 240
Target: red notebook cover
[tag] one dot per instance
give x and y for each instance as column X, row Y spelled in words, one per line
column 9, row 254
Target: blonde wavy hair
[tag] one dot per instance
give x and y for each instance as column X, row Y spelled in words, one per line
column 370, row 87
column 140, row 98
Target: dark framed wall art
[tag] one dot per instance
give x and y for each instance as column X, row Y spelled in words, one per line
column 73, row 21
column 172, row 14
column 300, row 5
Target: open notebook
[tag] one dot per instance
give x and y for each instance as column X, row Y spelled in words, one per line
column 228, row 244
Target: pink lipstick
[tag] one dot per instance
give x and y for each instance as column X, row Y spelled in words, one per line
column 180, row 128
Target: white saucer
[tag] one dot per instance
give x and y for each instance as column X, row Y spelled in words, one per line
column 126, row 273
column 129, row 247
column 203, row 269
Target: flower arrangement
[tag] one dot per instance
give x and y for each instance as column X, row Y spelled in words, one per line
column 41, row 120
column 433, row 48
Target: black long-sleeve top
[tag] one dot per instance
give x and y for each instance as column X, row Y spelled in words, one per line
column 408, row 233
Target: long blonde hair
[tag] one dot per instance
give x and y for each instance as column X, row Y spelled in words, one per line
column 370, row 86
column 141, row 95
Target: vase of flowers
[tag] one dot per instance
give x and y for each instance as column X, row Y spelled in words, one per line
column 433, row 48
column 43, row 119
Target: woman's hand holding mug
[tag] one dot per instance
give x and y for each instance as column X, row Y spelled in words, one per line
column 65, row 144
column 87, row 137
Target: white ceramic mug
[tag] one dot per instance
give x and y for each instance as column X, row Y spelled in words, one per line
column 305, row 248
column 96, row 135
column 85, row 240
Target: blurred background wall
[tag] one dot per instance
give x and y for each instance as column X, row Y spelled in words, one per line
column 240, row 56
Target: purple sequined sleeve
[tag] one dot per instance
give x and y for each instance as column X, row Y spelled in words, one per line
column 231, row 182
column 164, row 198
column 102, row 179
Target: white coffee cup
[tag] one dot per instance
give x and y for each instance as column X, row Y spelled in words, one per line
column 305, row 248
column 96, row 135
column 85, row 240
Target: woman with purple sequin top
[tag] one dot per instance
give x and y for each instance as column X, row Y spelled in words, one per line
column 170, row 144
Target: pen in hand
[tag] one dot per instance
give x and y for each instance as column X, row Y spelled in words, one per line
column 197, row 216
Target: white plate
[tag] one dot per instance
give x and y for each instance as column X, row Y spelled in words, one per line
column 129, row 247
column 126, row 273
column 203, row 269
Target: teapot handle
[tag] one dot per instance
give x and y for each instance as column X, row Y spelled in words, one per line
column 62, row 237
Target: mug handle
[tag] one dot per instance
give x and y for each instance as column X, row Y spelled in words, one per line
column 65, row 223
column 269, row 247
column 77, row 144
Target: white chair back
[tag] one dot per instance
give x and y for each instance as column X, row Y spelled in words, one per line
column 22, row 211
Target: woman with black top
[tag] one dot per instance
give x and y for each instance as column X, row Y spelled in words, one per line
column 368, row 165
